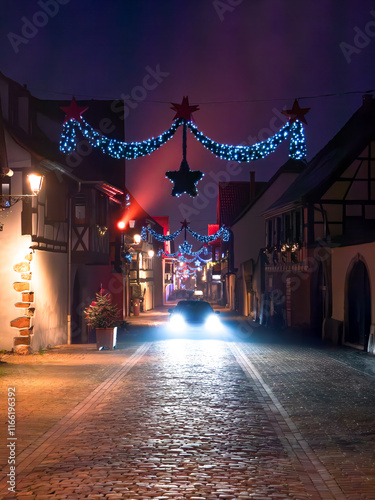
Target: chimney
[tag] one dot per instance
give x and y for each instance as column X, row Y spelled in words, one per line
column 366, row 99
column 252, row 185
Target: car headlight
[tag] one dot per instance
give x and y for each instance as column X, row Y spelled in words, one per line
column 213, row 324
column 177, row 322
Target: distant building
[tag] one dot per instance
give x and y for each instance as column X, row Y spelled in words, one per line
column 168, row 263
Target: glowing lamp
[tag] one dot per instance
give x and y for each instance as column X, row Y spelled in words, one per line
column 151, row 253
column 7, row 171
column 121, row 225
column 36, row 182
column 137, row 238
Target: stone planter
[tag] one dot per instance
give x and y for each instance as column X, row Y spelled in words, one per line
column 106, row 338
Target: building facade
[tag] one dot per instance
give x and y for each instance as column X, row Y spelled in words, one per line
column 319, row 236
column 59, row 248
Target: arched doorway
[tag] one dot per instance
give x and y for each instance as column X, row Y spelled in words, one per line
column 358, row 310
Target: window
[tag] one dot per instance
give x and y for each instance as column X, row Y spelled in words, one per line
column 278, row 230
column 5, row 190
column 147, row 263
column 269, row 234
column 297, row 226
column 287, row 229
column 101, row 209
column 79, row 210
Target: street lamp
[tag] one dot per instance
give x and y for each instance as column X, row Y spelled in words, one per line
column 151, row 253
column 36, row 182
column 7, row 200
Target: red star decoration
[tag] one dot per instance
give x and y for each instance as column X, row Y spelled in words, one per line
column 185, row 223
column 73, row 111
column 296, row 113
column 184, row 110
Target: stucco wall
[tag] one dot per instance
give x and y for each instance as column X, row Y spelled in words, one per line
column 342, row 259
column 50, row 281
column 13, row 249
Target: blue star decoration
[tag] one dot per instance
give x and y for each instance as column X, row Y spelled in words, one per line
column 185, row 248
column 184, row 180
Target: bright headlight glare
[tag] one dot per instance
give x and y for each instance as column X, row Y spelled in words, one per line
column 177, row 322
column 213, row 323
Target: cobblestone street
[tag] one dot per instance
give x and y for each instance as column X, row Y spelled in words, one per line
column 192, row 418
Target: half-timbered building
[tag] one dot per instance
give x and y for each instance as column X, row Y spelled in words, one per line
column 320, row 267
column 60, row 247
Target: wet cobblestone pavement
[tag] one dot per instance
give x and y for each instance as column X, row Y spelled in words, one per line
column 207, row 419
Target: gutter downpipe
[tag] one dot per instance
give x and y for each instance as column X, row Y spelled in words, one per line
column 69, row 317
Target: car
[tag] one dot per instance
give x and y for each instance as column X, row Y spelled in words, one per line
column 194, row 316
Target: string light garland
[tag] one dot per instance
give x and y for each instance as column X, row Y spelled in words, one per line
column 196, row 259
column 297, row 146
column 112, row 147
column 117, row 149
column 185, row 271
column 157, row 236
column 185, row 247
column 223, row 233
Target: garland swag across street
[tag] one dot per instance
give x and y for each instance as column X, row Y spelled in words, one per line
column 184, row 179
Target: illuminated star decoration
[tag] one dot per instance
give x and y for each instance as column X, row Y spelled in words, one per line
column 184, row 110
column 73, row 111
column 184, row 180
column 185, row 247
column 296, row 113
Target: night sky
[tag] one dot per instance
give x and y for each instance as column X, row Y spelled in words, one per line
column 241, row 61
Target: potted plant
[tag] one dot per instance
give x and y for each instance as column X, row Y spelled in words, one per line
column 104, row 317
column 137, row 298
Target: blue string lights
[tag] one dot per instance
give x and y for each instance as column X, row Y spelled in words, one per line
column 223, row 233
column 111, row 147
column 297, row 148
column 157, row 236
column 130, row 151
column 184, row 248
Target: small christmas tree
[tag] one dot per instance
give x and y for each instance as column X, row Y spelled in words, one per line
column 102, row 313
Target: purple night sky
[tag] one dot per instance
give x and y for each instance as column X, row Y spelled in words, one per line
column 242, row 61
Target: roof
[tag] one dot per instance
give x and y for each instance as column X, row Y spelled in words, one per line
column 333, row 159
column 291, row 166
column 233, row 197
column 46, row 123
